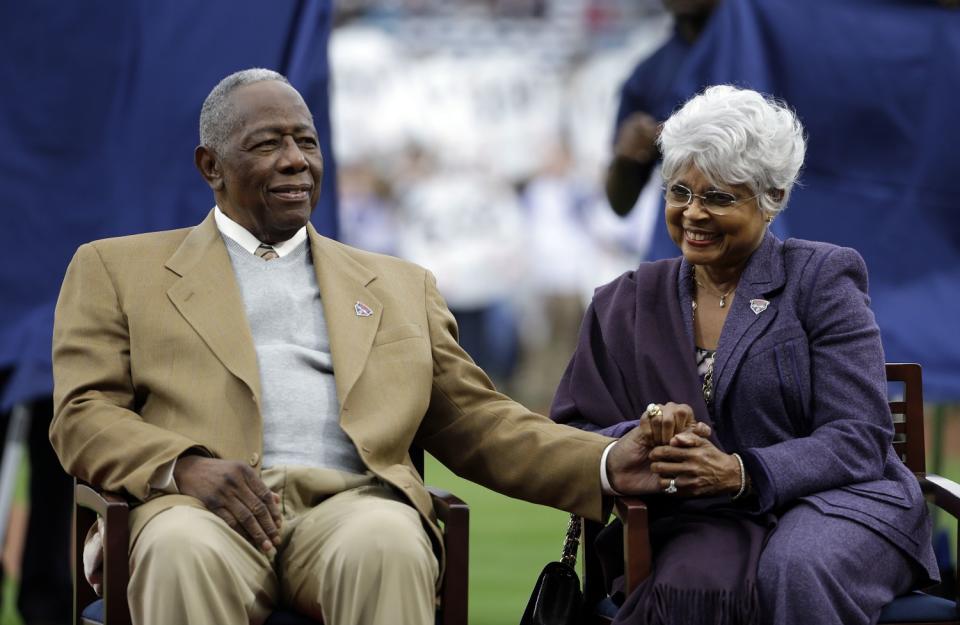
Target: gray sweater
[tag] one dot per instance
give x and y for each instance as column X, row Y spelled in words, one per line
column 300, row 409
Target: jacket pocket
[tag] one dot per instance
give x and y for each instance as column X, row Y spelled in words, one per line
column 793, row 382
column 397, row 333
column 886, row 491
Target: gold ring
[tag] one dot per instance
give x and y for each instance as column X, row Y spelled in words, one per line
column 654, row 410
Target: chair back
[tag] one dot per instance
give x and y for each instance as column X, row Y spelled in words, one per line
column 905, row 387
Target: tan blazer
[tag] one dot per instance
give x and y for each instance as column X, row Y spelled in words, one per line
column 152, row 356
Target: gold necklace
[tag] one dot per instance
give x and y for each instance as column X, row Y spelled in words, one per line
column 723, row 296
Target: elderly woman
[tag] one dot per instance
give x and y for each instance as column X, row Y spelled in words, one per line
column 794, row 508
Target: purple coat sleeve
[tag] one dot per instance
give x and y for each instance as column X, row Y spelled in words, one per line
column 592, row 394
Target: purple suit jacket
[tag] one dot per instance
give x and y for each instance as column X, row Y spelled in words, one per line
column 800, row 386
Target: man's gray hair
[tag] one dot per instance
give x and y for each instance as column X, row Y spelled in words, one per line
column 736, row 136
column 217, row 120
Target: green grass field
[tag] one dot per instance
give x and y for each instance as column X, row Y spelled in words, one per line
column 510, row 541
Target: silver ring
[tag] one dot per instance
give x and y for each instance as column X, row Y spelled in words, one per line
column 672, row 487
column 654, row 410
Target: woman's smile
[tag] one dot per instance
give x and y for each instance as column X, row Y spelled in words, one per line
column 700, row 238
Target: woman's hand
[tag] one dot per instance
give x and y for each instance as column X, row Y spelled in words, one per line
column 696, row 465
column 661, row 424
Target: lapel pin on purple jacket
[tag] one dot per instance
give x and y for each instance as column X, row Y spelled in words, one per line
column 362, row 309
column 757, row 305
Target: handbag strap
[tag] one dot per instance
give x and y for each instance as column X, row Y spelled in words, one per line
column 572, row 542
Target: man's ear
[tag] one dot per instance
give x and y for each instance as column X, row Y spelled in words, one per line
column 206, row 161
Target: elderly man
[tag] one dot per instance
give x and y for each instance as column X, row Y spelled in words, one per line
column 257, row 387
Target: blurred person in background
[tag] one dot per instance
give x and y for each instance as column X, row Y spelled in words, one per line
column 468, row 228
column 558, row 241
column 368, row 211
column 645, row 91
column 786, row 512
column 44, row 577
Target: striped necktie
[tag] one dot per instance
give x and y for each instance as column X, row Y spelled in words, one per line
column 266, row 252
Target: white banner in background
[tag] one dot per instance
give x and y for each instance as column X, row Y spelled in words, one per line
column 497, row 112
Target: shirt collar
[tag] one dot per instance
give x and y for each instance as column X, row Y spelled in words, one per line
column 242, row 236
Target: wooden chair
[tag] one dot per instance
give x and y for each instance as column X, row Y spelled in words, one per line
column 112, row 609
column 915, row 608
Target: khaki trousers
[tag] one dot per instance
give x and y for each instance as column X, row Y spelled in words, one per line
column 353, row 552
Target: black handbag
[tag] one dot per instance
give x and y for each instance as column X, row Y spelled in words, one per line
column 556, row 598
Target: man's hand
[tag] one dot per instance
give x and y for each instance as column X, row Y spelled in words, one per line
column 628, row 465
column 235, row 493
column 637, row 138
column 698, row 467
column 634, row 155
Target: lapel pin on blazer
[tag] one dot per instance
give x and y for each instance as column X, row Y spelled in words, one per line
column 758, row 305
column 362, row 309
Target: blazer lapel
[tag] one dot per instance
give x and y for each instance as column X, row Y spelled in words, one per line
column 352, row 311
column 208, row 297
column 763, row 275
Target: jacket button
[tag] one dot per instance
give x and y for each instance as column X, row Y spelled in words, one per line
column 254, row 459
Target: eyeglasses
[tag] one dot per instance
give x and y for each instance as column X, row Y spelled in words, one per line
column 715, row 202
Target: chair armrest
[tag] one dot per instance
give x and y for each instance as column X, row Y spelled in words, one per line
column 946, row 496
column 637, row 557
column 101, row 502
column 115, row 512
column 946, row 493
column 455, row 516
column 446, row 504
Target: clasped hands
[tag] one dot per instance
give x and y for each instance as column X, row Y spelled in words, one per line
column 670, row 447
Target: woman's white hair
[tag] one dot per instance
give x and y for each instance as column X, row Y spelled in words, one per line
column 736, row 136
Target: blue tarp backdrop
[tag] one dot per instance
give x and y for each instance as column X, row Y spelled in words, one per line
column 877, row 86
column 98, row 122
column 100, row 100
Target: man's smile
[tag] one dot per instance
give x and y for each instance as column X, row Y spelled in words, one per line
column 292, row 192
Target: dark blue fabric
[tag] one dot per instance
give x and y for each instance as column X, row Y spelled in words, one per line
column 875, row 83
column 98, row 122
column 649, row 86
column 918, row 607
column 607, row 608
column 915, row 607
column 94, row 612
